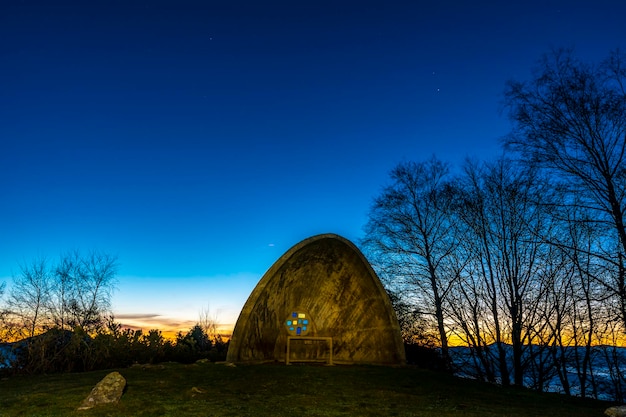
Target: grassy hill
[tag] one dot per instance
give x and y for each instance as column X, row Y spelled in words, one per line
column 279, row 390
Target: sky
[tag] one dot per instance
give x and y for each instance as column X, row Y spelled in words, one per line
column 197, row 141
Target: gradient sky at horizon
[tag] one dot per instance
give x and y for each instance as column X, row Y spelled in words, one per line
column 199, row 140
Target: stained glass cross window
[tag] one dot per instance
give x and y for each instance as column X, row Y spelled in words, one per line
column 297, row 323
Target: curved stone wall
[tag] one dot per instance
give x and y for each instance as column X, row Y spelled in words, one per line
column 327, row 277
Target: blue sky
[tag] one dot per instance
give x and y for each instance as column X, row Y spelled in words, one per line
column 198, row 141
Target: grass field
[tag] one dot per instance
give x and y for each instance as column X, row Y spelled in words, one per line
column 279, row 390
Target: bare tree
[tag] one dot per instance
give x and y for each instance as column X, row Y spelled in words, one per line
column 29, row 299
column 93, row 281
column 410, row 233
column 555, row 310
column 75, row 292
column 499, row 221
column 4, row 331
column 209, row 323
column 62, row 293
column 475, row 327
column 574, row 299
column 586, row 294
column 474, row 214
column 570, row 119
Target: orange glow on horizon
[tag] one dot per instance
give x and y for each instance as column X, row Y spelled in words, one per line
column 617, row 339
column 169, row 327
column 172, row 333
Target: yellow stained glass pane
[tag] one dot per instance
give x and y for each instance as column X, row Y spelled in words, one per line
column 301, row 315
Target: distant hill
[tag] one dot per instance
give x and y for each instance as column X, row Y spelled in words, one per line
column 604, row 364
column 7, row 355
column 9, row 351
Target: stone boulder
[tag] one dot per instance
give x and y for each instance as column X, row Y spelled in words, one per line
column 616, row 411
column 108, row 390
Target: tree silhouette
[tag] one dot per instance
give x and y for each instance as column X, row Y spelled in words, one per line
column 410, row 228
column 76, row 292
column 570, row 120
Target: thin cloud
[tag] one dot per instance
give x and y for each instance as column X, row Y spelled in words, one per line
column 137, row 316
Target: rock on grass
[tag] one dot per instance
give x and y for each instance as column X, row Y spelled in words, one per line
column 108, row 390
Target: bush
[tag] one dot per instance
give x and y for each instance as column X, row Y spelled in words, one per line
column 426, row 357
column 110, row 347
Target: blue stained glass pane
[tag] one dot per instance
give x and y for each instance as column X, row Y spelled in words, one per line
column 305, row 322
column 294, row 315
column 291, row 329
column 304, row 328
column 298, row 330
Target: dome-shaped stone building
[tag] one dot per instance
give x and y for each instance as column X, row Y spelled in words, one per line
column 321, row 301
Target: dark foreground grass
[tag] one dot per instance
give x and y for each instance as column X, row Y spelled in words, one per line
column 279, row 390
